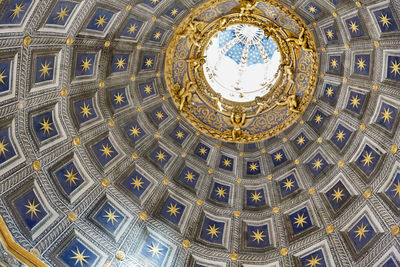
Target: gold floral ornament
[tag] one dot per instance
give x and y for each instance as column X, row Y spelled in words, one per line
column 238, row 114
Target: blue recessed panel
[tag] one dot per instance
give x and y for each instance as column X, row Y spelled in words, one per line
column 5, row 76
column 255, row 198
column 100, row 20
column 330, row 92
column 134, row 131
column 15, row 11
column 253, row 167
column 118, row 98
column 44, row 70
column 226, row 163
column 387, row 116
column 330, row 33
column 354, row 27
column 384, row 18
column 157, row 35
column 120, row 62
column 301, row 141
column 105, row 151
column 189, row 177
column 6, row 148
column 318, row 119
column 220, row 192
column 109, row 217
column 212, row 231
column 78, row 254
column 334, row 63
column 158, row 115
column 300, row 220
column 160, row 156
column 61, row 13
column 202, row 151
column 136, row 183
column 132, row 28
column 172, row 210
column 257, row 236
column 278, row 157
column 393, row 192
column 361, row 64
column 314, row 259
column 368, row 160
column 341, row 136
column 288, row 185
column 84, row 110
column 355, row 102
column 44, row 126
column 317, row 164
column 337, row 195
column 361, row 233
column 30, row 209
column 173, row 11
column 312, row 9
column 148, row 62
column 85, row 64
column 393, row 68
column 179, row 135
column 69, row 178
column 154, row 251
column 147, row 89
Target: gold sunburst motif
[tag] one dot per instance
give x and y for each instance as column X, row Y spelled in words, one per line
column 318, row 119
column 340, row 135
column 111, row 216
column 159, row 115
column 2, row 77
column 79, row 257
column 317, row 164
column 337, row 194
column 361, row 64
column 355, row 101
column 385, row 20
column 312, row 9
column 173, row 209
column 221, row 192
column 119, row 98
column 71, row 177
column 120, row 64
column 45, row 69
column 155, row 250
column 86, row 64
column 329, row 91
column 101, row 21
column 227, row 162
column 395, row 66
column 147, row 89
column 288, row 184
column 157, row 35
column 135, row 131
column 202, row 150
column 107, row 150
column 256, row 196
column 179, row 134
column 330, row 34
column 300, row 220
column 361, row 230
column 137, row 183
column 367, row 158
column 154, row 1
column 301, row 140
column 148, row 63
column 353, row 26
column 258, row 236
column 3, row 148
column 253, row 166
column 132, row 29
column 85, row 110
column 16, row 12
column 386, row 115
column 334, row 63
column 189, row 176
column 396, row 189
column 62, row 14
column 32, row 208
column 278, row 156
column 161, row 156
column 313, row 262
column 213, row 231
column 174, row 12
column 46, row 126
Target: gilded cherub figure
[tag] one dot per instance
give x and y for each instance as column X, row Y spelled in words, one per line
column 263, row 105
column 238, row 121
column 197, row 62
column 290, row 102
column 193, row 33
column 186, row 94
column 247, row 7
column 301, row 42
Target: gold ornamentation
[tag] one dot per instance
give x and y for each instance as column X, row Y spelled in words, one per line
column 329, row 229
column 284, row 251
column 199, row 202
column 395, row 230
column 367, row 193
column 394, row 149
column 36, row 165
column 72, row 216
column 27, row 41
column 186, row 243
column 70, row 41
column 236, row 213
column 105, row 182
column 234, row 256
column 143, row 216
column 275, row 210
column 120, row 255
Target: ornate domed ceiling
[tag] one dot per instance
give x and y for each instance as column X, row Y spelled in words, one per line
column 99, row 166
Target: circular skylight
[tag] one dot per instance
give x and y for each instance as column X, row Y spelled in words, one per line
column 241, row 63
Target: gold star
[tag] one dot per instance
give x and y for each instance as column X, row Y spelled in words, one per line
column 312, row 9
column 86, row 110
column 340, row 135
column 221, row 191
column 32, row 208
column 147, row 89
column 301, row 140
column 174, row 12
column 159, row 115
column 329, row 91
column 179, row 134
column 120, row 63
column 213, row 231
column 157, row 35
column 361, row 231
column 100, row 21
column 258, row 236
column 396, row 188
column 45, row 69
column 227, row 162
column 353, row 26
column 253, row 166
column 106, row 150
column 86, row 64
column 111, row 216
column 330, row 34
column 318, row 119
column 278, row 156
column 137, row 183
column 17, row 10
column 367, row 158
column 173, row 210
column 361, row 64
column 79, row 256
column 61, row 14
column 337, row 194
column 189, row 176
column 135, row 131
column 288, row 184
column 355, row 101
column 318, row 164
column 149, row 63
column 386, row 115
column 3, row 148
column 119, row 98
column 300, row 220
column 71, row 177
column 395, row 68
column 385, row 20
column 154, row 1
column 132, row 29
column 154, row 250
column 313, row 262
column 46, row 126
column 2, row 77
column 202, row 150
column 334, row 63
column 255, row 197
column 161, row 156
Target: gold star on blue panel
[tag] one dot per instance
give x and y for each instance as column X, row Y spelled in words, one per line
column 334, row 63
column 361, row 233
column 6, row 148
column 315, row 259
column 148, row 62
column 69, row 178
column 78, row 254
column 393, row 68
column 134, row 131
column 220, row 192
column 100, row 20
column 179, row 135
column 15, row 11
column 341, row 136
column 300, row 220
column 120, row 63
column 212, row 231
column 118, row 98
column 5, row 76
column 61, row 13
column 30, row 209
column 318, row 119
column 202, row 151
column 354, row 27
column 105, row 151
column 160, row 156
column 154, row 251
column 288, row 185
column 278, row 157
column 317, row 164
column 312, row 9
column 147, row 89
column 257, row 236
column 173, row 11
column 330, row 33
column 337, row 196
column 387, row 116
column 300, row 141
column 189, row 177
column 361, row 64
column 157, row 35
column 44, row 126
column 389, row 263
column 226, row 163
column 330, row 92
column 393, row 192
column 84, row 110
column 136, row 183
column 255, row 198
column 85, row 64
column 44, row 70
column 368, row 160
column 109, row 217
column 152, row 3
column 132, row 28
column 355, row 102
column 158, row 115
column 385, row 20
column 253, row 167
column 172, row 210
